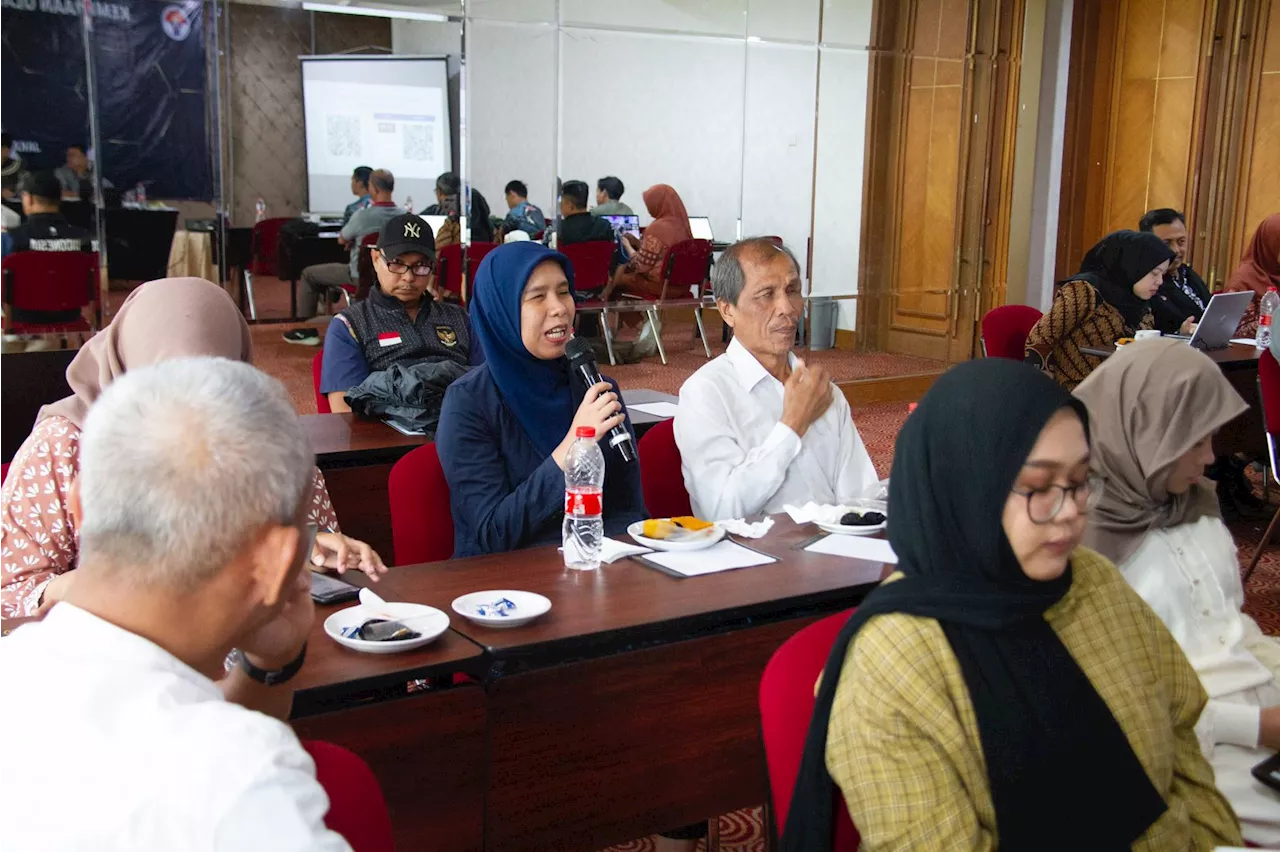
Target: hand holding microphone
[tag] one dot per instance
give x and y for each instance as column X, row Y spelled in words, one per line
column 600, row 408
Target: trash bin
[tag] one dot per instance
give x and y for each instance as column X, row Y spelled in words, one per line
column 823, row 311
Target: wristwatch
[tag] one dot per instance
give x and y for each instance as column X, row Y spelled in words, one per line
column 265, row 676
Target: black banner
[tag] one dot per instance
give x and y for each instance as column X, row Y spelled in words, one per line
column 150, row 63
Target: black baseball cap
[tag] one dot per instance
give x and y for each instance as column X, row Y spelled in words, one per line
column 404, row 234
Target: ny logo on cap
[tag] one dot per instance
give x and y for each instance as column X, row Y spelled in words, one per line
column 412, row 230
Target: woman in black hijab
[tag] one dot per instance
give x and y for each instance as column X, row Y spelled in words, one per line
column 1109, row 298
column 1006, row 689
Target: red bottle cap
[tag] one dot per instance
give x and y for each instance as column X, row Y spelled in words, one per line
column 585, row 432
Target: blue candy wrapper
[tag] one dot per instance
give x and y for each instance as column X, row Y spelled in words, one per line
column 498, row 609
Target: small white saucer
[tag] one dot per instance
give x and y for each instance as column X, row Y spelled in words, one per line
column 696, row 541
column 426, row 620
column 528, row 606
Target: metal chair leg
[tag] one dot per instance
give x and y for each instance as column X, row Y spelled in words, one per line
column 248, row 287
column 1266, row 539
column 713, row 834
column 657, row 335
column 608, row 337
column 702, row 332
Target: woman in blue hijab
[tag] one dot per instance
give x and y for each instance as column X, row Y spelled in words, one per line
column 506, row 426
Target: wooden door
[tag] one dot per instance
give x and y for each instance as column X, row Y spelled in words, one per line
column 939, row 127
column 1257, row 173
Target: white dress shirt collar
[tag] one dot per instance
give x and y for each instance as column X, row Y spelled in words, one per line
column 747, row 367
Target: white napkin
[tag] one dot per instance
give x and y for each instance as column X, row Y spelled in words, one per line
column 611, row 550
column 739, row 527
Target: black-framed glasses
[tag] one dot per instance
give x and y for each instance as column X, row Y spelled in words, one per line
column 395, row 267
column 1044, row 504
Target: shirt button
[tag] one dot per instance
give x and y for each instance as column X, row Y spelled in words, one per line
column 1222, row 640
column 1195, row 582
column 1205, row 613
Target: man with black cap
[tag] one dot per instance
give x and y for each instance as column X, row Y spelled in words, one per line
column 401, row 321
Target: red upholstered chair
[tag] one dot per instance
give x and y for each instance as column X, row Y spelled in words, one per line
column 4, row 472
column 1269, row 391
column 357, row 809
column 1005, row 330
column 263, row 242
column 661, row 479
column 475, row 253
column 367, row 276
column 421, row 523
column 449, row 269
column 50, row 281
column 317, row 366
column 590, row 263
column 786, row 704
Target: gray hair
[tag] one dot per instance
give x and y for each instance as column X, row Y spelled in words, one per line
column 182, row 463
column 728, row 277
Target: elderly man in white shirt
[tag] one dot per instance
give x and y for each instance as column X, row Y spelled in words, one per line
column 123, row 729
column 757, row 428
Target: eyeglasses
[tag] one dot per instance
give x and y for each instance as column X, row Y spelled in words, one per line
column 1044, row 504
column 395, row 267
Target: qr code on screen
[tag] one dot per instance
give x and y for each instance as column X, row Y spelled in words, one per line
column 419, row 142
column 344, row 135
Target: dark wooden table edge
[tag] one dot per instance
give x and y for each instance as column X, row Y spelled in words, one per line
column 363, row 458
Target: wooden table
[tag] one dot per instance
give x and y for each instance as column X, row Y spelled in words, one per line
column 1234, row 356
column 632, row 706
column 642, row 421
column 426, row 748
column 356, row 454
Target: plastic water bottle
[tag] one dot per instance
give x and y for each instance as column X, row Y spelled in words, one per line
column 1266, row 310
column 583, row 501
column 260, row 210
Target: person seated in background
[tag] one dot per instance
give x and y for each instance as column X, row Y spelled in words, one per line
column 192, row 504
column 479, row 221
column 360, row 189
column 1108, row 299
column 1004, row 689
column 1259, row 269
column 609, row 198
column 448, row 187
column 11, row 169
column 1183, row 295
column 576, row 224
column 1154, row 409
column 522, row 215
column 76, row 174
column 757, row 428
column 160, row 320
column 45, row 229
column 506, row 427
column 401, row 321
column 327, row 279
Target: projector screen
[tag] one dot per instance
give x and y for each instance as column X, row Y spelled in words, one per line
column 382, row 112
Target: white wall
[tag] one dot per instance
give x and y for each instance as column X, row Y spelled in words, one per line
column 1050, row 133
column 431, row 38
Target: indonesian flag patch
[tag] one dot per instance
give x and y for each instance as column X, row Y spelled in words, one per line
column 389, row 338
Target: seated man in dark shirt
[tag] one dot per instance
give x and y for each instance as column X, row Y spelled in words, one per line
column 401, row 321
column 46, row 229
column 1183, row 295
column 577, row 225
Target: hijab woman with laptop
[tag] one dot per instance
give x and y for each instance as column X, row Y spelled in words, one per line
column 161, row 320
column 1258, row 269
column 506, row 427
column 1109, row 298
column 1005, row 688
column 1154, row 409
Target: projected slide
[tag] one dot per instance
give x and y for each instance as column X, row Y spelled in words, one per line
column 383, row 113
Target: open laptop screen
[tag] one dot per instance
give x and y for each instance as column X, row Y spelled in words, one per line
column 701, row 228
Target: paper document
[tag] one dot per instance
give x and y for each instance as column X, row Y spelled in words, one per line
column 722, row 556
column 855, row 547
column 1245, row 341
column 657, row 409
column 402, row 430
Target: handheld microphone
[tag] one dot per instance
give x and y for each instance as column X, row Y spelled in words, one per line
column 583, row 362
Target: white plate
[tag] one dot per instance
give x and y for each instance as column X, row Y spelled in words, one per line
column 528, row 607
column 427, row 620
column 841, row 529
column 703, row 540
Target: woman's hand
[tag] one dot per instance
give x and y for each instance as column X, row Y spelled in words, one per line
column 334, row 551
column 630, row 245
column 600, row 409
column 1188, row 326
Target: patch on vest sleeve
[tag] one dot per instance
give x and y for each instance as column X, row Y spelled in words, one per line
column 389, row 338
column 447, row 335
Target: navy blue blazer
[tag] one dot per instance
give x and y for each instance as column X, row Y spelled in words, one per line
column 505, row 494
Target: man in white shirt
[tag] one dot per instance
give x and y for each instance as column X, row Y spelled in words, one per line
column 756, row 427
column 124, row 731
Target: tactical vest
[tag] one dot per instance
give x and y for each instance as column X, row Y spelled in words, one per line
column 386, row 335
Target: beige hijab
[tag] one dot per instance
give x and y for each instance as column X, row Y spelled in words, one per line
column 168, row 318
column 1149, row 404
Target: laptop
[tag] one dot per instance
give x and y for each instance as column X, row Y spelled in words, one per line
column 1220, row 320
column 624, row 225
column 701, row 228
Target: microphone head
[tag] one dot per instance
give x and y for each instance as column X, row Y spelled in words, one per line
column 579, row 351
